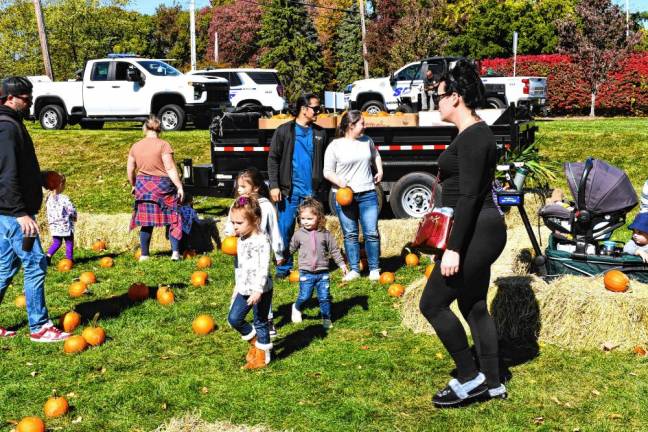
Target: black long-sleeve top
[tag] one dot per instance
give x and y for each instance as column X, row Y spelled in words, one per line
column 467, row 173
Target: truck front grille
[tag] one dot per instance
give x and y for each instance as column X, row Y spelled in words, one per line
column 217, row 93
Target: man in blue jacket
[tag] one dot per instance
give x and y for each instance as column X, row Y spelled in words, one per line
column 21, row 195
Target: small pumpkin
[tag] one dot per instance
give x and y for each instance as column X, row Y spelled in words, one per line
column 31, row 424
column 387, row 278
column 344, row 196
column 138, row 292
column 165, row 296
column 56, row 407
column 203, row 324
column 77, row 289
column 199, row 278
column 88, row 278
column 229, row 245
column 65, row 265
column 74, row 344
column 94, row 334
column 616, row 281
column 99, row 245
column 70, row 321
column 639, row 350
column 396, row 290
column 137, row 254
column 428, row 270
column 204, row 262
column 52, row 180
column 21, row 301
column 293, row 276
column 188, row 254
column 106, row 262
column 411, row 260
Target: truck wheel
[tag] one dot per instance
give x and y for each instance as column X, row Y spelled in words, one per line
column 91, row 124
column 52, row 117
column 331, row 200
column 410, row 196
column 493, row 102
column 373, row 107
column 405, row 108
column 172, row 117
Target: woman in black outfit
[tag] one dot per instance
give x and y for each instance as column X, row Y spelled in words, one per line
column 478, row 237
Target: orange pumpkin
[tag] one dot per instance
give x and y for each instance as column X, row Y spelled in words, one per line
column 199, row 278
column 31, row 424
column 21, row 301
column 52, row 180
column 616, row 281
column 293, row 276
column 229, row 245
column 88, row 278
column 189, row 253
column 203, row 324
column 428, row 270
column 344, row 196
column 639, row 350
column 106, row 262
column 395, row 290
column 204, row 262
column 65, row 265
column 387, row 278
column 74, row 344
column 56, row 407
column 77, row 289
column 411, row 260
column 165, row 296
column 99, row 246
column 95, row 336
column 70, row 321
column 138, row 292
column 137, row 254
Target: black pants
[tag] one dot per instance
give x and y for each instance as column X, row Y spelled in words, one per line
column 469, row 287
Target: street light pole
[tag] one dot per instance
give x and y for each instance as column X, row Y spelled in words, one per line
column 627, row 20
column 42, row 36
column 192, row 32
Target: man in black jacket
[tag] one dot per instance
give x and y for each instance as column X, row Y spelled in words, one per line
column 21, row 195
column 295, row 168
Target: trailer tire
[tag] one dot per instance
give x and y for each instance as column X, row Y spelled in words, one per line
column 331, row 200
column 373, row 107
column 493, row 102
column 410, row 196
column 172, row 117
column 52, row 117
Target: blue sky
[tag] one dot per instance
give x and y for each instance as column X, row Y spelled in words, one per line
column 148, row 6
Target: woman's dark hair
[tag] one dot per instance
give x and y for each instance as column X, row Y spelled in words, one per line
column 464, row 80
column 254, row 177
column 348, row 119
column 302, row 101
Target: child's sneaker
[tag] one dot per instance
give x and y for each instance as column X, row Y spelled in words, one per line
column 272, row 329
column 4, row 333
column 49, row 333
column 296, row 315
column 498, row 392
column 327, row 323
column 351, row 276
column 175, row 256
column 374, row 275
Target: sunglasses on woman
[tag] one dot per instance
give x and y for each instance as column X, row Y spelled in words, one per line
column 436, row 96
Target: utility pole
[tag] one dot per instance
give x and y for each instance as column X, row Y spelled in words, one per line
column 216, row 47
column 192, row 32
column 364, row 37
column 627, row 20
column 42, row 36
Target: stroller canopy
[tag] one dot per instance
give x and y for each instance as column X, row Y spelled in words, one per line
column 607, row 189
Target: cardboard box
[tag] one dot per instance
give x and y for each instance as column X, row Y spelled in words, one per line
column 392, row 120
column 328, row 122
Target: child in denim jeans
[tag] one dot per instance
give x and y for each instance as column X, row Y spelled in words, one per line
column 315, row 245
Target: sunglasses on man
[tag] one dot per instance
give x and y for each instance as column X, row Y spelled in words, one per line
column 316, row 109
column 24, row 98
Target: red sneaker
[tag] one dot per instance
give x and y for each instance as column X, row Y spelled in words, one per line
column 49, row 333
column 6, row 333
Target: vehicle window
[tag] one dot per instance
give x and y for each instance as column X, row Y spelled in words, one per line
column 410, row 73
column 121, row 71
column 436, row 68
column 234, row 79
column 264, row 77
column 100, row 71
column 159, row 68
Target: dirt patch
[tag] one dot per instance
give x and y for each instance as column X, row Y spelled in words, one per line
column 193, row 423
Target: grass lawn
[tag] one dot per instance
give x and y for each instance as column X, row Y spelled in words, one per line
column 368, row 373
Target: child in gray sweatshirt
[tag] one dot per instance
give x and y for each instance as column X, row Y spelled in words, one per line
column 316, row 245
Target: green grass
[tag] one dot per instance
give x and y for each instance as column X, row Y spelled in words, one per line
column 368, row 373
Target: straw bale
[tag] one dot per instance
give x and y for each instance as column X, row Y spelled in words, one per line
column 192, row 422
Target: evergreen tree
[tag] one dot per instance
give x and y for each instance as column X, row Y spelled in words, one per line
column 348, row 50
column 289, row 44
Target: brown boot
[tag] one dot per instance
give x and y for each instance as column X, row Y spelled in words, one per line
column 250, row 354
column 258, row 361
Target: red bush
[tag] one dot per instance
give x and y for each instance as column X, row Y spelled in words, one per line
column 625, row 92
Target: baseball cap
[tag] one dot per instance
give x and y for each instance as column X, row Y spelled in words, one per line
column 640, row 223
column 15, row 86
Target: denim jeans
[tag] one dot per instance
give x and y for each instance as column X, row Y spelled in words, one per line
column 146, row 232
column 286, row 215
column 239, row 310
column 34, row 264
column 319, row 281
column 364, row 209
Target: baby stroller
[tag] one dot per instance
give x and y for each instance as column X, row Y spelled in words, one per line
column 603, row 196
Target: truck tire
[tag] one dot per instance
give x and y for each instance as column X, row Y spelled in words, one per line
column 91, row 124
column 410, row 196
column 251, row 106
column 331, row 200
column 373, row 107
column 493, row 102
column 405, row 108
column 172, row 117
column 52, row 117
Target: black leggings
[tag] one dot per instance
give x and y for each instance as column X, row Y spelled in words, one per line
column 469, row 287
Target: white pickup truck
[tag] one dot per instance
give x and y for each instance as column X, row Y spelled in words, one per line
column 124, row 87
column 401, row 91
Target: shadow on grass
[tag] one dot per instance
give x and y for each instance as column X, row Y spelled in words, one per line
column 88, row 259
column 340, row 309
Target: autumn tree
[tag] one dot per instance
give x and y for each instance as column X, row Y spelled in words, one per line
column 327, row 18
column 596, row 38
column 238, row 25
column 347, row 50
column 380, row 37
column 170, row 34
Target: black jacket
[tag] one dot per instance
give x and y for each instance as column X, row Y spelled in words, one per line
column 21, row 183
column 281, row 154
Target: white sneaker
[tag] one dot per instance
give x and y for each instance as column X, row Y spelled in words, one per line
column 374, row 275
column 351, row 276
column 175, row 256
column 327, row 324
column 296, row 315
column 143, row 258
